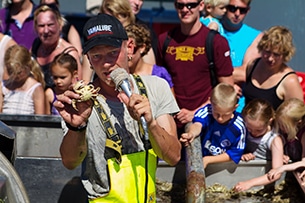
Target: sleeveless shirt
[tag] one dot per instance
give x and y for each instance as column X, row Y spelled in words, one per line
column 18, row 102
column 251, row 92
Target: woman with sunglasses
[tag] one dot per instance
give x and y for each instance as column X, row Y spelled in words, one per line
column 269, row 77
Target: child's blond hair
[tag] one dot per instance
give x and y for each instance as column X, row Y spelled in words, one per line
column 290, row 115
column 18, row 57
column 224, row 96
column 259, row 109
column 216, row 2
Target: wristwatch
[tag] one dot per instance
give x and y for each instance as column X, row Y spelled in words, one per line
column 77, row 129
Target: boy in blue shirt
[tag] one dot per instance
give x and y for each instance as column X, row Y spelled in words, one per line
column 221, row 128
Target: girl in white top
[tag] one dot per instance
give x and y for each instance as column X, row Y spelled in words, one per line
column 23, row 91
column 262, row 141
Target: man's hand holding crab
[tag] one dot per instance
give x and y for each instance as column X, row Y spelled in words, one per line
column 75, row 106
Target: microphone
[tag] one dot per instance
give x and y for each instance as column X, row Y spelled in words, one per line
column 121, row 79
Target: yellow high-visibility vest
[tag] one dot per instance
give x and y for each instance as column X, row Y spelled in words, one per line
column 127, row 180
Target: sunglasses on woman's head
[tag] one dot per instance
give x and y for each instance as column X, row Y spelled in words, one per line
column 233, row 9
column 188, row 5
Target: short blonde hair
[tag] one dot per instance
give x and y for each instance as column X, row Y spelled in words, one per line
column 224, row 96
column 216, row 2
column 289, row 115
column 278, row 37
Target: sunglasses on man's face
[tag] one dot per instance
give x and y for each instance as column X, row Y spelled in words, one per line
column 233, row 9
column 188, row 5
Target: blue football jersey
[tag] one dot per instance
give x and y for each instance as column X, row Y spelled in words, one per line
column 221, row 138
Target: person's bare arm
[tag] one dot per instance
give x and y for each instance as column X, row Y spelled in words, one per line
column 87, row 71
column 290, row 88
column 224, row 157
column 164, row 139
column 292, row 166
column 74, row 39
column 239, row 73
column 163, row 130
column 75, row 54
column 73, row 148
column 49, row 96
column 192, row 132
column 277, row 161
column 213, row 26
column 226, row 79
column 1, row 97
column 39, row 100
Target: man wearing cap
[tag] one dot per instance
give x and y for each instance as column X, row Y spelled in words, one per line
column 105, row 135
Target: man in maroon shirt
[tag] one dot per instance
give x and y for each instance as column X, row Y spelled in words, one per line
column 186, row 60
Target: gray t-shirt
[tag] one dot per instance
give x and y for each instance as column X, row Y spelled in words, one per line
column 94, row 171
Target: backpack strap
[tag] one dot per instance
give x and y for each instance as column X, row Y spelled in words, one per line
column 210, row 54
column 167, row 40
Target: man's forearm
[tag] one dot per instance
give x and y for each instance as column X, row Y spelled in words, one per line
column 73, row 148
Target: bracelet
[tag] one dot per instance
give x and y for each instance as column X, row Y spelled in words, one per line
column 77, row 129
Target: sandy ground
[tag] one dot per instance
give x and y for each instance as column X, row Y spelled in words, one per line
column 288, row 191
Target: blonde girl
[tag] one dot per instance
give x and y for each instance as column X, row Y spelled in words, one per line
column 262, row 141
column 23, row 92
column 290, row 120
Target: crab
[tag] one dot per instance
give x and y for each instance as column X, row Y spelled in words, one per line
column 217, row 188
column 85, row 91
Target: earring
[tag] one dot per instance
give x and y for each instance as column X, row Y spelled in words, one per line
column 129, row 58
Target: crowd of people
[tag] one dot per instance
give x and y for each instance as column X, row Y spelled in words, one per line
column 256, row 111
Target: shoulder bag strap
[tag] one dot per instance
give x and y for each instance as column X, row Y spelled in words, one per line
column 167, row 40
column 210, row 54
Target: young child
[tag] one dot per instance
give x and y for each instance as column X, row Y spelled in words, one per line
column 222, row 129
column 23, row 92
column 64, row 73
column 262, row 141
column 214, row 10
column 290, row 119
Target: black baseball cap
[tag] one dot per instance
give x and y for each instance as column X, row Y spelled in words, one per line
column 103, row 29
